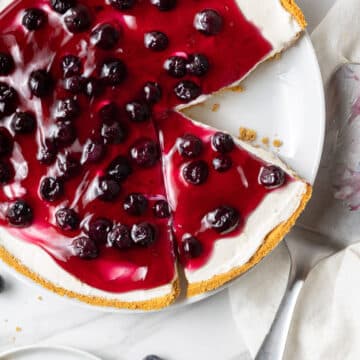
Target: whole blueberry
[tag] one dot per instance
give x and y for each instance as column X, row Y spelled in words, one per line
column 145, row 153
column 8, row 99
column 67, row 219
column 119, row 169
column 113, row 132
column 223, row 143
column 7, row 64
column 152, row 92
column 6, row 172
column 93, row 87
column 19, row 213
column 223, row 219
column 138, row 111
column 47, row 152
column 75, row 84
column 68, row 165
column 187, row 90
column 6, row 142
column 222, row 163
column 197, row 65
column 176, row 66
column 105, row 36
column 156, row 41
column 135, row 204
column 113, row 71
column 62, row 6
column 85, row 248
column 108, row 190
column 120, row 237
column 164, row 5
column 77, row 19
column 94, row 151
column 109, row 112
column 189, row 146
column 191, row 246
column 70, row 66
column 272, row 176
column 209, row 22
column 34, row 19
column 99, row 230
column 23, row 122
column 40, row 83
column 67, row 109
column 122, row 4
column 196, row 172
column 51, row 189
column 64, row 134
column 143, row 234
column 161, row 209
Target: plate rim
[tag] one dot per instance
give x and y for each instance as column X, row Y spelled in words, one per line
column 183, row 301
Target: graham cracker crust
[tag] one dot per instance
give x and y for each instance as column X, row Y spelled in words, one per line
column 153, row 304
column 295, row 11
column 271, row 241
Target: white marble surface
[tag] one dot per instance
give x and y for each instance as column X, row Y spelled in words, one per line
column 204, row 331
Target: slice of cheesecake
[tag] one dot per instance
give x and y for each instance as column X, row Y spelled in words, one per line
column 232, row 203
column 85, row 87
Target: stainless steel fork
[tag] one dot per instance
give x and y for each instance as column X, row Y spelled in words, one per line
column 306, row 249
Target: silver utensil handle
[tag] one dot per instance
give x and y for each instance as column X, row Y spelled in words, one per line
column 273, row 347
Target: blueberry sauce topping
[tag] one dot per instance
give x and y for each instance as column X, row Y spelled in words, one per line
column 67, row 219
column 272, row 176
column 143, row 234
column 190, row 146
column 94, row 151
column 152, row 92
column 161, row 209
column 7, row 64
column 34, row 19
column 176, row 66
column 51, row 189
column 19, row 213
column 135, row 204
column 222, row 163
column 223, row 219
column 67, row 110
column 99, row 230
column 6, row 172
column 196, row 172
column 120, row 237
column 222, row 142
column 108, row 190
column 75, row 84
column 138, row 111
column 113, row 71
column 145, row 153
column 71, row 66
column 64, row 134
column 105, row 36
column 191, row 246
column 122, row 4
column 68, row 165
column 197, row 65
column 156, row 41
column 77, row 19
column 164, row 5
column 47, row 152
column 40, row 83
column 8, row 99
column 6, row 142
column 93, row 87
column 119, row 169
column 23, row 122
column 85, row 248
column 187, row 90
column 113, row 132
column 209, row 22
column 62, row 6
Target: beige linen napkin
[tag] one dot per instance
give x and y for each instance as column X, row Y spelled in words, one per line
column 326, row 323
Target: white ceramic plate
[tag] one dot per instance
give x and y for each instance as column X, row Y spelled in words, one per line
column 282, row 100
column 46, row 353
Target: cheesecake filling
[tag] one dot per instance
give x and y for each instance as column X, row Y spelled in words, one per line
column 86, row 96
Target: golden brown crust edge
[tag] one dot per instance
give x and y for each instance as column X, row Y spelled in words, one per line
column 271, row 241
column 148, row 305
column 295, row 11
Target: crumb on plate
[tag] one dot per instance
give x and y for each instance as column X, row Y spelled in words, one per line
column 246, row 134
column 215, row 107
